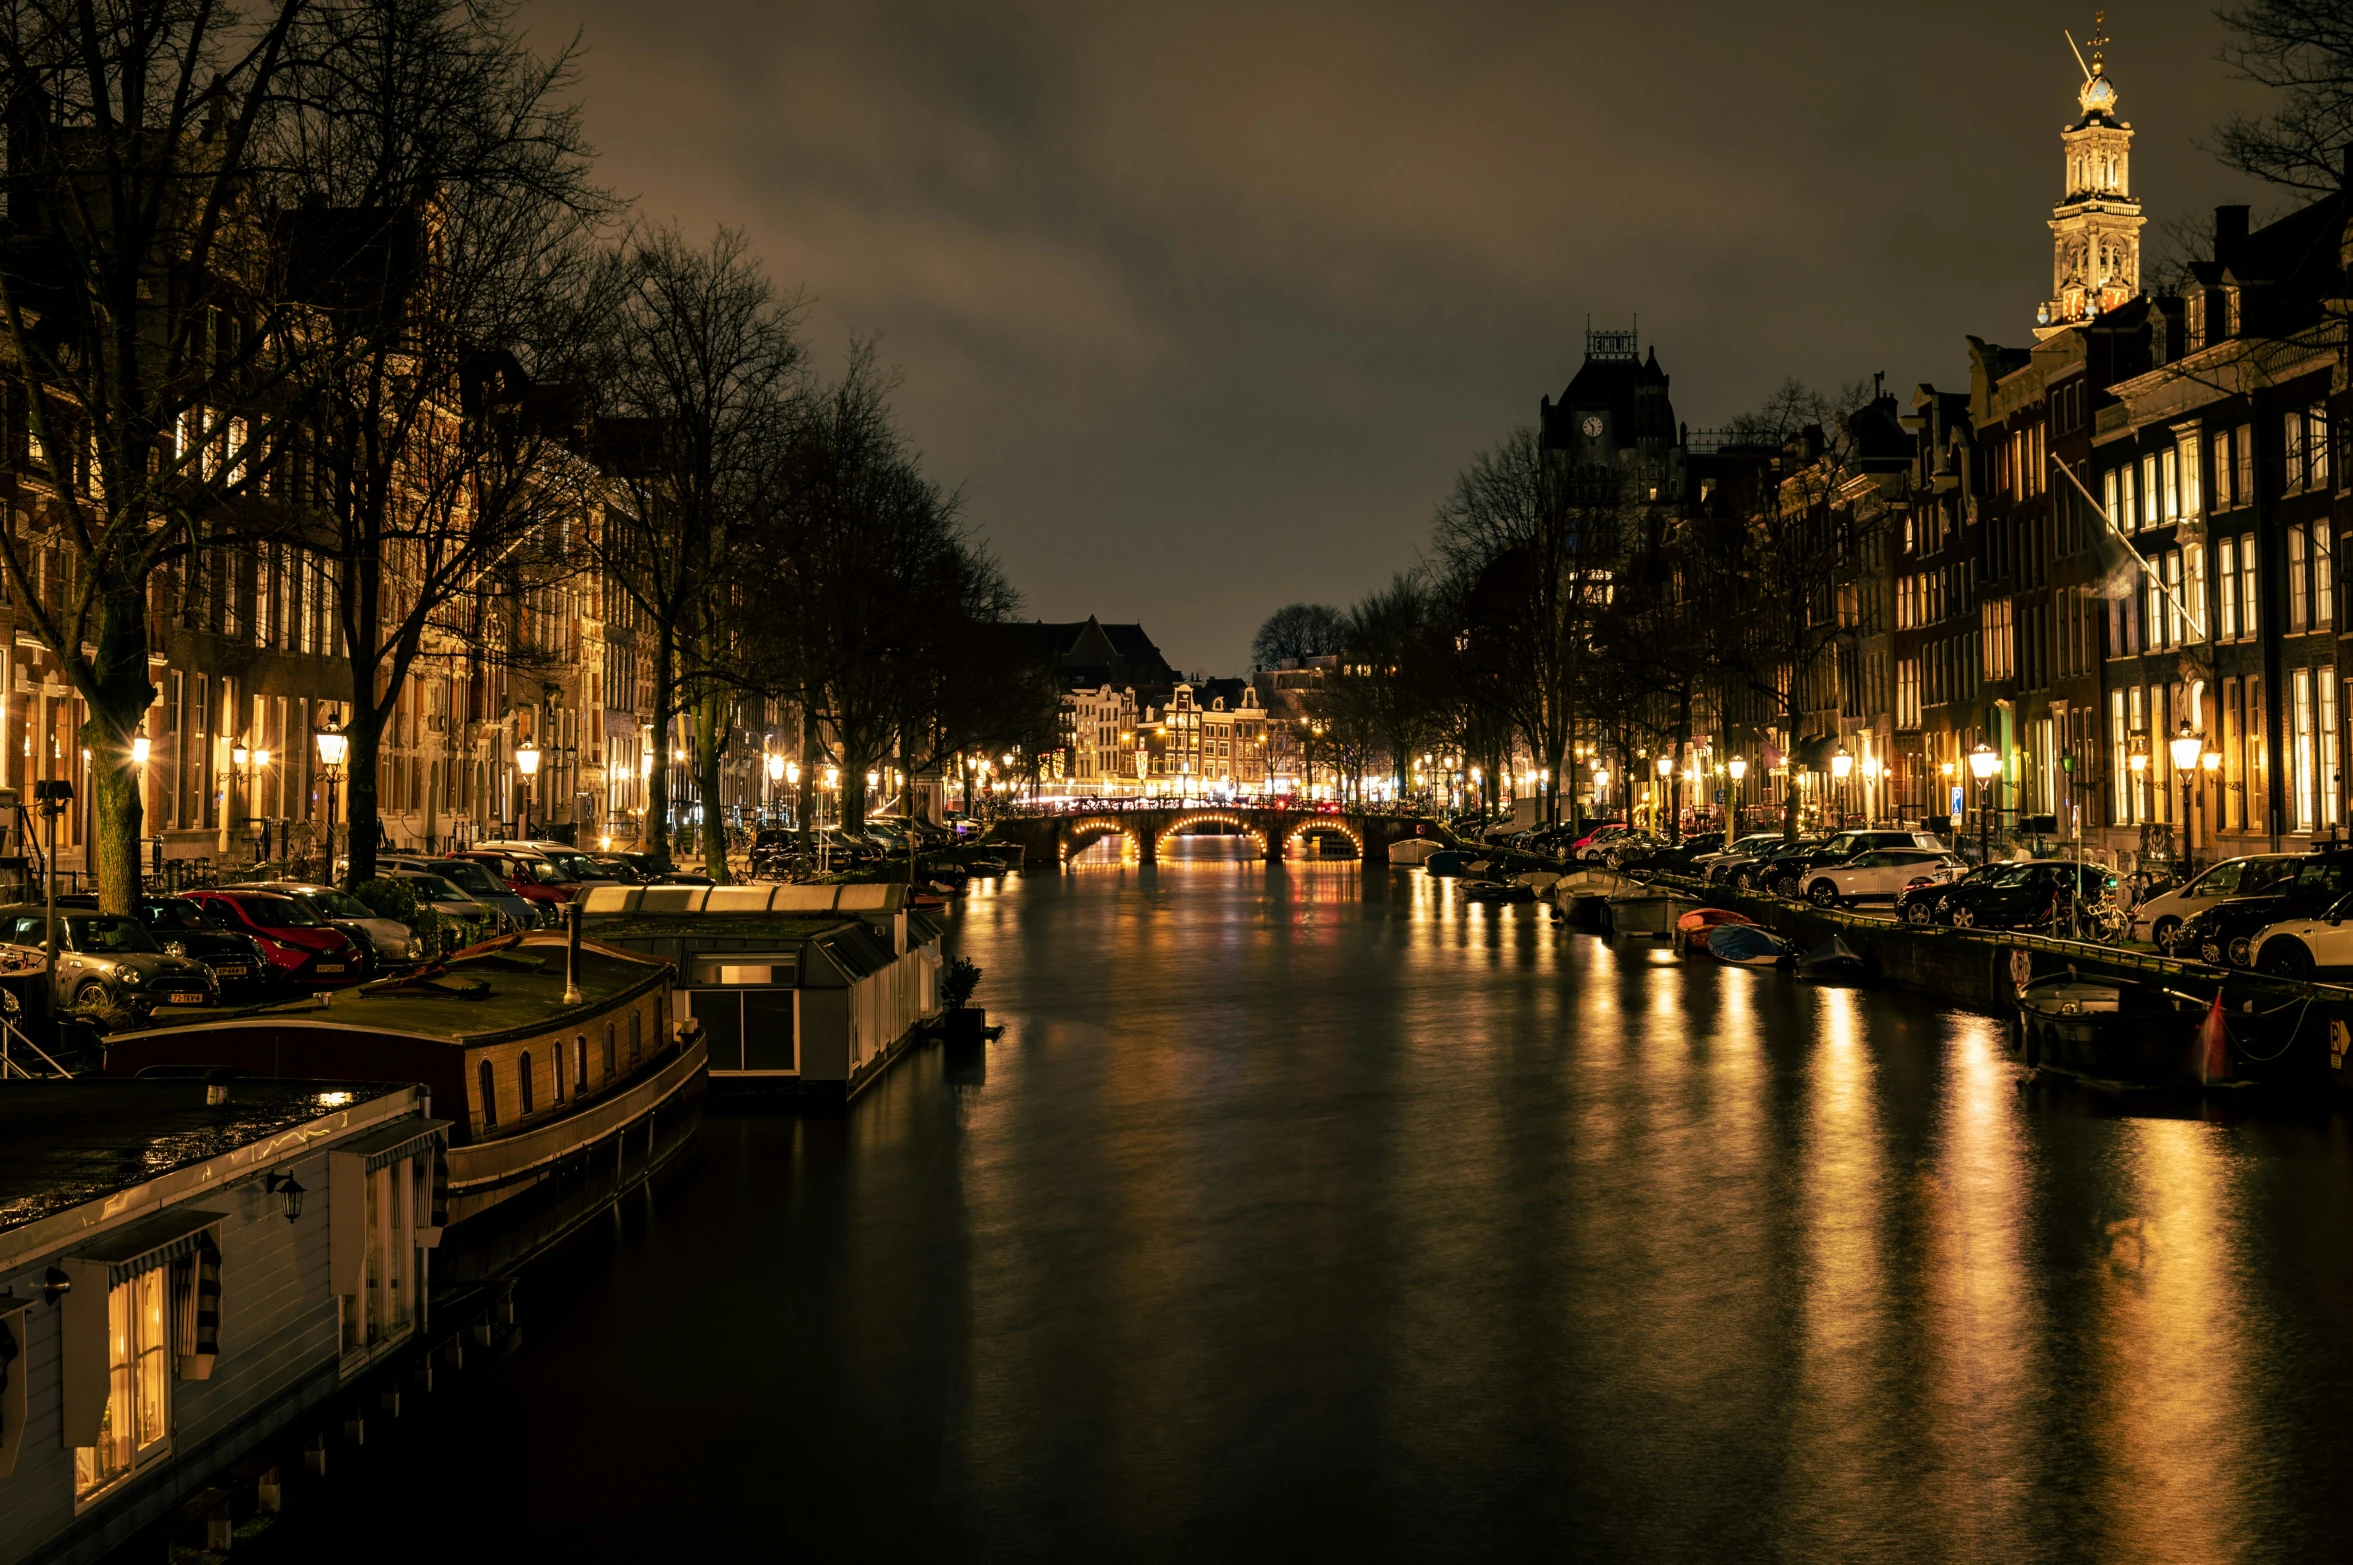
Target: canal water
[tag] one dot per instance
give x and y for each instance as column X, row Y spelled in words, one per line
column 1305, row 1213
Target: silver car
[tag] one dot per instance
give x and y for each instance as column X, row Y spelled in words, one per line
column 106, row 960
column 391, row 940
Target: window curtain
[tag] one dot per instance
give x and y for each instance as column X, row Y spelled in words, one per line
column 196, row 1310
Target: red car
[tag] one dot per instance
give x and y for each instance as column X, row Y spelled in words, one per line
column 303, row 948
column 534, row 877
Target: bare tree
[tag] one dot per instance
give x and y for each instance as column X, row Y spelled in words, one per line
column 1299, row 631
column 702, row 392
column 439, row 237
column 2303, row 51
column 134, row 294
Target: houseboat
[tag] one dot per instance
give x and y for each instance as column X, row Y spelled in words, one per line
column 188, row 1269
column 807, row 991
column 567, row 1075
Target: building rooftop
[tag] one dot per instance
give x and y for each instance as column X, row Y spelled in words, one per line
column 66, row 1142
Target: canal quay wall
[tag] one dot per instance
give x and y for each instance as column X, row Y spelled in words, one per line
column 2285, row 1032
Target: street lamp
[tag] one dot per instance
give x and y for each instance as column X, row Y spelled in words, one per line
column 2184, row 748
column 334, row 747
column 1738, row 767
column 1842, row 766
column 1983, row 763
column 527, row 762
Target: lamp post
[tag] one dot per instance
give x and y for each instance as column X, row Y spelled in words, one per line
column 1842, row 766
column 2184, row 748
column 775, row 776
column 1738, row 767
column 334, row 746
column 2138, row 764
column 1665, row 809
column 1872, row 768
column 1983, row 763
column 527, row 763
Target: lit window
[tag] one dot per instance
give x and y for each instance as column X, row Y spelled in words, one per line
column 138, row 1382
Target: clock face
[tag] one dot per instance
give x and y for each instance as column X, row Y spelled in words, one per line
column 1593, row 426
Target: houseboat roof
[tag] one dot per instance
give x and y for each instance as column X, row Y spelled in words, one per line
column 863, row 897
column 511, row 985
column 67, row 1142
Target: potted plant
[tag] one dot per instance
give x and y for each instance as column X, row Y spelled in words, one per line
column 959, row 976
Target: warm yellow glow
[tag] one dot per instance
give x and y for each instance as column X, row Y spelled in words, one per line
column 775, row 767
column 261, row 758
column 139, row 751
column 527, row 760
column 334, row 745
column 792, row 773
column 1842, row 765
column 1739, row 765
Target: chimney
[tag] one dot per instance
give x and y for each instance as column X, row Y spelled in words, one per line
column 572, row 948
column 2230, row 234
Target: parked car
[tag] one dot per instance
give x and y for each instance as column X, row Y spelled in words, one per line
column 181, row 929
column 386, row 940
column 1789, row 873
column 1878, row 876
column 1590, row 847
column 2224, row 932
column 438, row 892
column 2159, row 920
column 579, row 864
column 2009, row 895
column 107, row 960
column 303, row 948
column 478, row 881
column 1754, row 873
column 534, row 877
column 2303, row 947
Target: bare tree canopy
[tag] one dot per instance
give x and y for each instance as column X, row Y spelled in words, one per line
column 2303, row 51
column 1298, row 631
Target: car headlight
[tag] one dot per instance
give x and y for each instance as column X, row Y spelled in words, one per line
column 128, row 977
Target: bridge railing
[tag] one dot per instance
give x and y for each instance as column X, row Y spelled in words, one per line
column 1044, row 809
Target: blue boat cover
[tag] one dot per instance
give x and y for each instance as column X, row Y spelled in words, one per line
column 1744, row 943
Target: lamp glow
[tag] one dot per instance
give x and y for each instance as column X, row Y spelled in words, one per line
column 1983, row 762
column 1842, row 765
column 527, row 760
column 775, row 767
column 334, row 744
column 1739, row 766
column 2185, row 747
column 139, row 751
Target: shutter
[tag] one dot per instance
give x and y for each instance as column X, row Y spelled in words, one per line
column 81, row 1324
column 347, row 1222
column 14, row 1372
column 196, row 1311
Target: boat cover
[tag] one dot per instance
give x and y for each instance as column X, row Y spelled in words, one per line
column 1745, row 945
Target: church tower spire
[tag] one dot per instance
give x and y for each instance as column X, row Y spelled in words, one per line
column 2096, row 227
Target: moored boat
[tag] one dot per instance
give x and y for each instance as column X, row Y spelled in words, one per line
column 566, row 1071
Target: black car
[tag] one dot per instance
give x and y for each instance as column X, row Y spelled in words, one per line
column 1786, row 873
column 181, row 928
column 2008, row 895
column 2223, row 934
column 1756, row 874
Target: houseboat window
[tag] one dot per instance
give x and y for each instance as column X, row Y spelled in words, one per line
column 489, row 1098
column 634, row 1054
column 608, row 1051
column 555, row 1063
column 138, row 1382
column 580, row 1061
column 388, row 1217
column 523, row 1086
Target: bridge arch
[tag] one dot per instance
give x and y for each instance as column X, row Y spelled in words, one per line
column 1238, row 819
column 1079, row 835
column 1309, row 826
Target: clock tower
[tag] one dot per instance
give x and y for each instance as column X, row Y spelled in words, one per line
column 2096, row 227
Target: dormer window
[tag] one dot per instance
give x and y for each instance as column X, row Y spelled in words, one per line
column 2193, row 317
column 2230, row 312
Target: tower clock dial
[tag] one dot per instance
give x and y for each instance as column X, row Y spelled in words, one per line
column 1592, row 426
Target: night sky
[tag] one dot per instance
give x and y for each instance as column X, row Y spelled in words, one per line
column 1204, row 305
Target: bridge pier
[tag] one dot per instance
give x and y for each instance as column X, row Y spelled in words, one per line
column 1147, row 845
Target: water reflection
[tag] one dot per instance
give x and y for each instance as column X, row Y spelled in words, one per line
column 1305, row 1212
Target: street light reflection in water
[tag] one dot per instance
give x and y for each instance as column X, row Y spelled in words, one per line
column 1307, row 1210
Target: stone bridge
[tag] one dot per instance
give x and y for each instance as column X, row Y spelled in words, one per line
column 1054, row 837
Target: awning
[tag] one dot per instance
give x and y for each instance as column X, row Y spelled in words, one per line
column 387, row 1146
column 149, row 1243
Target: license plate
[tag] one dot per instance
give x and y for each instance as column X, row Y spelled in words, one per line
column 230, row 972
column 330, row 967
column 183, row 999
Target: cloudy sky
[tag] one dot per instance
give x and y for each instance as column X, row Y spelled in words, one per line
column 1203, row 305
